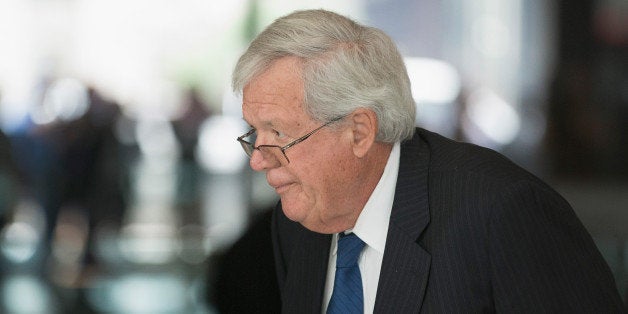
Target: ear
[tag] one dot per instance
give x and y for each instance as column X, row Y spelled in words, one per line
column 363, row 131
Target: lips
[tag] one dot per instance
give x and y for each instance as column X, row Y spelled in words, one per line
column 283, row 188
column 280, row 186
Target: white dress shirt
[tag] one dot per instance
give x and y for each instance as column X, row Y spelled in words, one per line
column 372, row 228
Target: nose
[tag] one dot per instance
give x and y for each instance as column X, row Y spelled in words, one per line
column 256, row 161
column 261, row 162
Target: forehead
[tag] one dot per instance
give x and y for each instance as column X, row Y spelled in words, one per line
column 275, row 93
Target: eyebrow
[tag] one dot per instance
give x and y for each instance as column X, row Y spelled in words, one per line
column 269, row 124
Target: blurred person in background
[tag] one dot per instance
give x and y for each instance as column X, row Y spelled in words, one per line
column 445, row 226
column 186, row 127
column 9, row 180
column 74, row 172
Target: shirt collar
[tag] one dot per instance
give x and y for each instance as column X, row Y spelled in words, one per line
column 372, row 224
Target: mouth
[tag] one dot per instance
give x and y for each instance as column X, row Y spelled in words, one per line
column 282, row 188
column 279, row 182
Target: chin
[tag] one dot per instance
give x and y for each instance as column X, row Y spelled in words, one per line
column 307, row 221
column 301, row 215
column 293, row 213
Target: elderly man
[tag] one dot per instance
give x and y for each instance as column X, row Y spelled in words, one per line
column 377, row 216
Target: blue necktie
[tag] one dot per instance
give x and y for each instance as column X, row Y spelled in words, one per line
column 347, row 296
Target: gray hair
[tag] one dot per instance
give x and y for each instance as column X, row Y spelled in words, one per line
column 346, row 66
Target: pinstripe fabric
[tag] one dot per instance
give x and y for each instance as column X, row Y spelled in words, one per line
column 303, row 259
column 470, row 232
column 347, row 296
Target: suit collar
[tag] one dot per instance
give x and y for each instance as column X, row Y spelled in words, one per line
column 405, row 268
column 411, row 207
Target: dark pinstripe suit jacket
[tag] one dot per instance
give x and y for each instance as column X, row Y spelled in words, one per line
column 470, row 232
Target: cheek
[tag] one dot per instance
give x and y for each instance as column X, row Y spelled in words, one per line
column 322, row 169
column 327, row 177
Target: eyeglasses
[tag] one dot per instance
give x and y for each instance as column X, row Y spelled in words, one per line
column 274, row 153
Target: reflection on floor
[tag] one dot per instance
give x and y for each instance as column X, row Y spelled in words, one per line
column 114, row 285
column 161, row 292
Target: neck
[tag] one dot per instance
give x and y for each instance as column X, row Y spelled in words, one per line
column 369, row 171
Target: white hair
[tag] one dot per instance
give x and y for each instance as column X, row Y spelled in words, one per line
column 346, row 66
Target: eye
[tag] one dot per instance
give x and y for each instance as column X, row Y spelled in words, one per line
column 279, row 134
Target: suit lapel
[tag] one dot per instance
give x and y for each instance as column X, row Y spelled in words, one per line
column 303, row 292
column 405, row 268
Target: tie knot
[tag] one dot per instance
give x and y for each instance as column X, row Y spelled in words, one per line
column 349, row 248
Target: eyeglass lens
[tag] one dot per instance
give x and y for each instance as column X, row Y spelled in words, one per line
column 270, row 153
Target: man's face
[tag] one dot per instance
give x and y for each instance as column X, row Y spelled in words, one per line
column 314, row 187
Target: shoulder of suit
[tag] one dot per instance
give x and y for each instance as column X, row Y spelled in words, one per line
column 447, row 155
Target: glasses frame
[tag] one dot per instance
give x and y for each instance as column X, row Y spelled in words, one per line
column 249, row 147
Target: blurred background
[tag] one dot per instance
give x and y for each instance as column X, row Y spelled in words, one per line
column 120, row 178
